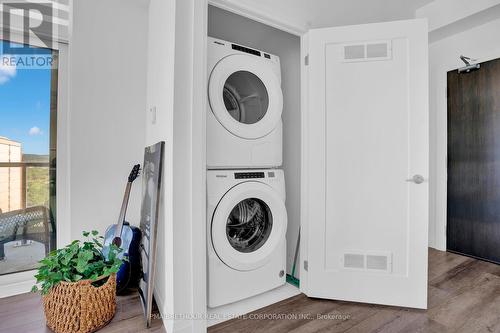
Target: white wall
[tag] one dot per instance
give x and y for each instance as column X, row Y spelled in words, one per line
column 231, row 27
column 101, row 127
column 176, row 66
column 441, row 13
column 107, row 58
column 160, row 95
column 478, row 37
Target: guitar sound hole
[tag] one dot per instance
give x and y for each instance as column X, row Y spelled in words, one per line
column 117, row 241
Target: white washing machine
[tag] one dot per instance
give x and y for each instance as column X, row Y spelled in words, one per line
column 246, row 227
column 244, row 127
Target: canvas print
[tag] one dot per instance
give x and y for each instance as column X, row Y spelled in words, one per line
column 151, row 185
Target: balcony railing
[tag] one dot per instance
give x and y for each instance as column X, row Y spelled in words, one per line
column 27, row 226
column 23, row 177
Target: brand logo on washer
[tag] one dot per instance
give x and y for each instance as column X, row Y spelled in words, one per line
column 221, row 176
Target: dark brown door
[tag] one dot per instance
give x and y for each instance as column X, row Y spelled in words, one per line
column 473, row 210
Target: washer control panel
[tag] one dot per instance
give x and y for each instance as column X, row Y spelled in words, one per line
column 220, row 181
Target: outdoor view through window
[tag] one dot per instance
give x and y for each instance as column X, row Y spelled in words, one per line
column 27, row 160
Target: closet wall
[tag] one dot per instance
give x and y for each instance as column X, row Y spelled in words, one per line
column 231, row 27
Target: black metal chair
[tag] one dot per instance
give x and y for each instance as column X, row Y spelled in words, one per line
column 33, row 223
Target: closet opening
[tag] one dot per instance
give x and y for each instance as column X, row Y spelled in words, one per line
column 253, row 164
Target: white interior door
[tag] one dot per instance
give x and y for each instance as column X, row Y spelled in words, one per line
column 366, row 164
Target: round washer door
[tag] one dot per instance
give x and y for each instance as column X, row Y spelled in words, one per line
column 248, row 225
column 245, row 96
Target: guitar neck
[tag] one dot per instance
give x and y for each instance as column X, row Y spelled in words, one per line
column 123, row 210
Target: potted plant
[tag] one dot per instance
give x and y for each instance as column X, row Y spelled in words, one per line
column 78, row 285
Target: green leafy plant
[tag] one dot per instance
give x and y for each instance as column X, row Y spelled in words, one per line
column 77, row 261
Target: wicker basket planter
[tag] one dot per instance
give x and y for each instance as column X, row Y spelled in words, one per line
column 79, row 307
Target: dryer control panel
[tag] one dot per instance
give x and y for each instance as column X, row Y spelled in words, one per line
column 245, row 49
column 248, row 175
column 250, row 51
column 221, row 44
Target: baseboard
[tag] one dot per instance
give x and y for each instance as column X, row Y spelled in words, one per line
column 168, row 324
column 16, row 283
column 233, row 310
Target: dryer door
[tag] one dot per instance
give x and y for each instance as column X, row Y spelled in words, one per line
column 245, row 96
column 248, row 225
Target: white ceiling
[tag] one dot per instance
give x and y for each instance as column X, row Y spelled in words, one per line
column 325, row 13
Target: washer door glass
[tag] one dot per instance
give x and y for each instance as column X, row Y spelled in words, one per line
column 249, row 225
column 245, row 97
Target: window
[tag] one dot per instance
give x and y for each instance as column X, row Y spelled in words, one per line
column 28, row 124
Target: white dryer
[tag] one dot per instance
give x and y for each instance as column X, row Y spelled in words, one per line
column 244, row 127
column 246, row 227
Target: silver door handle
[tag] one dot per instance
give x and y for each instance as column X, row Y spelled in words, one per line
column 417, row 179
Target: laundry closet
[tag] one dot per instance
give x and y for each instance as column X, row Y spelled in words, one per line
column 254, row 79
column 325, row 132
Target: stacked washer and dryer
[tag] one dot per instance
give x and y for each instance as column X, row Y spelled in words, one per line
column 246, row 214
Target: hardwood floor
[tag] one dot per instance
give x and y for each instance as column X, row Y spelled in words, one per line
column 464, row 296
column 24, row 314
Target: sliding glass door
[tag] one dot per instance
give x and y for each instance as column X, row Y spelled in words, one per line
column 28, row 137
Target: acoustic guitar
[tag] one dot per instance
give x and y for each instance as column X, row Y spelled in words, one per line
column 128, row 238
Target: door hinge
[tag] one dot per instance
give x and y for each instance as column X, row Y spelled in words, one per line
column 306, row 60
column 306, row 265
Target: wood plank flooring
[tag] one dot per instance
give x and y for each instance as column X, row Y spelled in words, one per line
column 464, row 296
column 24, row 314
